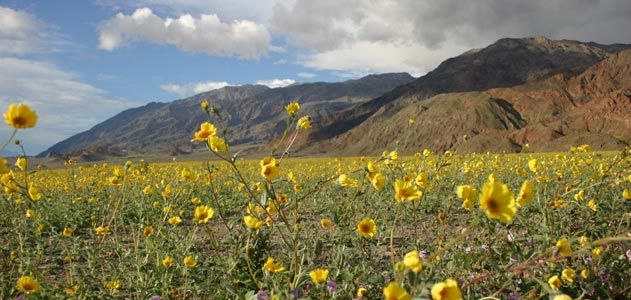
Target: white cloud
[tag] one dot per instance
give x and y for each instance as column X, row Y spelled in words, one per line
column 20, row 32
column 363, row 58
column 208, row 33
column 260, row 10
column 64, row 104
column 306, row 75
column 190, row 89
column 357, row 36
column 276, row 83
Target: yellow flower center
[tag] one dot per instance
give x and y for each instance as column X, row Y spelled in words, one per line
column 267, row 170
column 19, row 120
column 492, row 204
column 443, row 293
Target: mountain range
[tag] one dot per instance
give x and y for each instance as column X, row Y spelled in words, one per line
column 253, row 113
column 534, row 93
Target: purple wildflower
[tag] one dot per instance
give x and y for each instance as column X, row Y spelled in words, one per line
column 262, row 295
column 331, row 286
column 513, row 296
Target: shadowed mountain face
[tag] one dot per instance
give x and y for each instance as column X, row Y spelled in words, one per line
column 550, row 114
column 253, row 114
column 507, row 62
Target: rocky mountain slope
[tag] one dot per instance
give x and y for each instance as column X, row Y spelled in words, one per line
column 505, row 63
column 550, row 114
column 254, row 113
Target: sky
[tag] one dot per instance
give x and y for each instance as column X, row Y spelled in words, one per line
column 79, row 62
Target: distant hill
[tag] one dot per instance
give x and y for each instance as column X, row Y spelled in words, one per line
column 505, row 63
column 549, row 114
column 254, row 113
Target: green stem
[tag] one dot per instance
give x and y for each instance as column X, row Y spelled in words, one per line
column 15, row 130
column 394, row 226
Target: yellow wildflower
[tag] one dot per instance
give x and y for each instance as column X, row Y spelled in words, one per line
column 366, row 227
column 597, row 252
column 404, row 190
column 371, row 167
column 584, row 241
column 446, row 290
column 186, row 174
column 378, row 181
column 592, row 205
column 497, row 200
column 393, row 291
column 72, row 290
column 217, row 144
column 67, row 232
column 554, row 282
column 252, row 222
column 34, row 193
column 272, row 267
column 533, row 165
column 167, row 262
column 325, row 223
column 174, row 220
column 319, row 276
column 203, row 213
column 412, row 261
column 190, row 262
column 21, row 163
column 112, row 285
column 467, row 204
column 563, row 245
column 580, row 195
column 102, row 231
column 568, row 275
column 28, row 284
column 269, row 170
column 422, row 180
column 148, row 190
column 525, row 193
column 347, row 181
column 205, row 131
column 292, row 108
column 466, row 192
column 148, row 231
column 360, row 292
column 304, row 123
column 166, row 193
column 20, row 116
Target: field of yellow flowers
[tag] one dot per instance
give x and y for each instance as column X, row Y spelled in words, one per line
column 426, row 226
